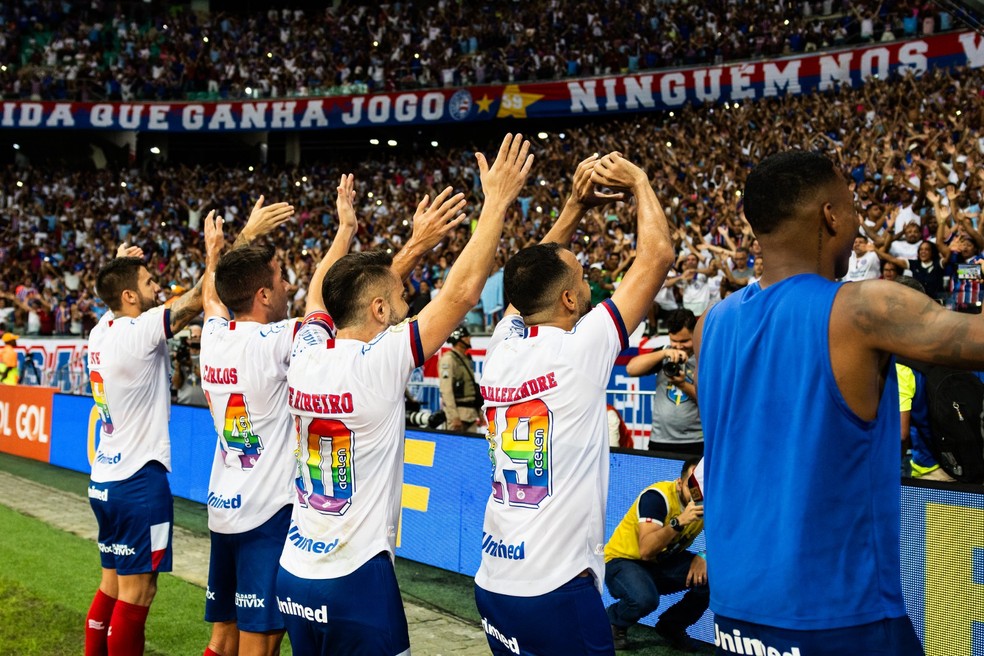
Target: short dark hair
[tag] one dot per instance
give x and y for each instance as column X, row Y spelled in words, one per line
column 120, row 274
column 687, row 464
column 531, row 276
column 240, row 273
column 349, row 279
column 677, row 320
column 777, row 187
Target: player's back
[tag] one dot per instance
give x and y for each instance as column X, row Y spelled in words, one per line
column 129, row 370
column 244, row 375
column 802, row 521
column 348, row 400
column 544, row 391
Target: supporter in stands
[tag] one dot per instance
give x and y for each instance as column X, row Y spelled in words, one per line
column 85, row 53
column 129, row 372
column 840, row 337
column 676, row 419
column 864, row 261
column 358, row 438
column 544, row 522
column 926, row 267
column 647, row 557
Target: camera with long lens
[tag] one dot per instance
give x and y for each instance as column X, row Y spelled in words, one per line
column 183, row 353
column 425, row 418
column 671, row 368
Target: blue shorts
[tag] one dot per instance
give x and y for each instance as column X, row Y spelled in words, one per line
column 242, row 576
column 892, row 637
column 136, row 519
column 569, row 620
column 361, row 613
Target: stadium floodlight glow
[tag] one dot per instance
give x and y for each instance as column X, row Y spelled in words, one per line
column 370, row 194
column 389, row 251
column 303, row 178
column 163, row 224
column 3, row 68
column 958, row 114
column 164, row 26
column 434, row 144
column 672, row 114
column 155, row 150
column 539, row 208
column 786, row 22
column 303, row 251
column 374, row 142
column 251, row 169
column 562, row 135
column 416, row 55
column 20, row 184
column 669, row 144
column 205, row 39
column 123, row 184
column 542, row 135
column 249, row 91
column 379, row 202
column 269, row 55
column 405, row 222
column 391, row 142
column 738, row 193
column 17, row 146
column 543, row 183
column 375, row 44
column 297, row 184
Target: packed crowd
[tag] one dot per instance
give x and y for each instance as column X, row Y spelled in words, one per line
column 913, row 164
column 54, row 50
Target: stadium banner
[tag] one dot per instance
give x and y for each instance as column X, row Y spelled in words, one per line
column 446, row 486
column 54, row 362
column 26, row 420
column 650, row 91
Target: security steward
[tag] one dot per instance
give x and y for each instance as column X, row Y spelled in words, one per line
column 461, row 399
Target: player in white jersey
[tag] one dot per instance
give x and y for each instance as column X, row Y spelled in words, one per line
column 129, row 369
column 546, row 370
column 244, row 375
column 337, row 588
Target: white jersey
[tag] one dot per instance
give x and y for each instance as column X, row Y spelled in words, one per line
column 244, row 375
column 130, row 373
column 544, row 392
column 348, row 397
column 865, row 267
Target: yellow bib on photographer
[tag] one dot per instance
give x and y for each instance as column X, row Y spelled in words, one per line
column 624, row 542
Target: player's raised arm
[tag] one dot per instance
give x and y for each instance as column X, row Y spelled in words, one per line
column 430, row 225
column 189, row 305
column 501, row 184
column 347, row 226
column 654, row 251
column 211, row 303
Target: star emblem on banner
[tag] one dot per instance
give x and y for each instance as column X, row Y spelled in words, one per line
column 484, row 104
column 515, row 103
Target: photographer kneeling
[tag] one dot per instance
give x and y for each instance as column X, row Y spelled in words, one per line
column 676, row 419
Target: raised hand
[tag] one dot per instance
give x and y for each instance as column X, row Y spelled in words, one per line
column 584, row 192
column 432, row 223
column 616, row 172
column 129, row 251
column 264, row 220
column 344, row 202
column 214, row 238
column 503, row 181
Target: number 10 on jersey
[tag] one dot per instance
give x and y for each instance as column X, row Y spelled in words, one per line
column 519, row 447
column 326, row 480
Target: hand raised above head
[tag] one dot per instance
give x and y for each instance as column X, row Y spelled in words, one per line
column 214, row 237
column 263, row 220
column 345, row 200
column 584, row 191
column 616, row 172
column 431, row 223
column 503, row 181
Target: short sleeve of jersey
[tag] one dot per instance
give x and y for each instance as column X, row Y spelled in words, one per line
column 396, row 351
column 653, row 507
column 153, row 327
column 510, row 325
column 601, row 336
column 907, row 387
column 314, row 332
